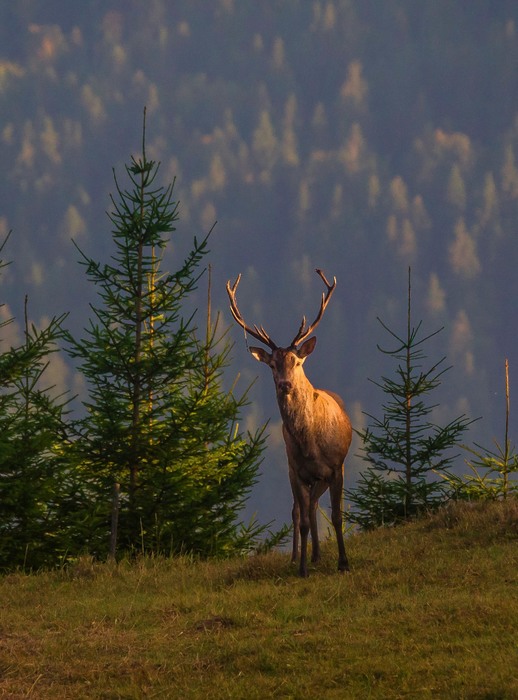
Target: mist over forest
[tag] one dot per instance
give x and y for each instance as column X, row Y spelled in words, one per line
column 357, row 136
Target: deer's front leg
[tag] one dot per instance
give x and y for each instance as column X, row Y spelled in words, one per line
column 295, row 515
column 302, row 495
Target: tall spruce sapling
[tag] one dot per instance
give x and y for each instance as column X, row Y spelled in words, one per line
column 158, row 421
column 404, row 449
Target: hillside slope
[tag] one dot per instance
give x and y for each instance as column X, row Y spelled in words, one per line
column 429, row 610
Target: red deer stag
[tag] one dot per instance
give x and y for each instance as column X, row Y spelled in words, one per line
column 316, row 429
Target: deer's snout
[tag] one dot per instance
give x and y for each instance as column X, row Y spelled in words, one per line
column 285, row 386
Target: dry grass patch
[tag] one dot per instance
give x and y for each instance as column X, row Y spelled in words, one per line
column 429, row 611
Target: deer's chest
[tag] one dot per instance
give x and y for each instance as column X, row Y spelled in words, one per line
column 316, row 440
column 311, row 455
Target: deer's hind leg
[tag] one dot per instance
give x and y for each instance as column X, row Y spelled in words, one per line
column 317, row 489
column 336, row 491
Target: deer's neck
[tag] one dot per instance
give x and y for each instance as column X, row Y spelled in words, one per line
column 297, row 410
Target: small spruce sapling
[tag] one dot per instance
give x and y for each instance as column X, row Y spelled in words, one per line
column 404, row 448
column 493, row 471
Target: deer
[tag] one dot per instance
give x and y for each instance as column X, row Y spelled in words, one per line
column 316, row 429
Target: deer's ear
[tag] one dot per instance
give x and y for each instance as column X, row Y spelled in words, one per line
column 261, row 355
column 307, row 347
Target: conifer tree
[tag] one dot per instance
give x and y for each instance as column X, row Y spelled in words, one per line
column 158, row 421
column 404, row 450
column 493, row 470
column 31, row 442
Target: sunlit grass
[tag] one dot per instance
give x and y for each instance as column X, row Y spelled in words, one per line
column 429, row 610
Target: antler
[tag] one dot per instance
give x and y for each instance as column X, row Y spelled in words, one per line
column 258, row 333
column 304, row 332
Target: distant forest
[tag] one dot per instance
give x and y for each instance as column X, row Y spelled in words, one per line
column 358, row 136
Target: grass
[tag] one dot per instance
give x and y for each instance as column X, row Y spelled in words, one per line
column 430, row 610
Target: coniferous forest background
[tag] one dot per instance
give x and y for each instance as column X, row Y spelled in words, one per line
column 358, row 136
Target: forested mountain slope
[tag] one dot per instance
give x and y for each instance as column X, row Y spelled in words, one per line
column 353, row 135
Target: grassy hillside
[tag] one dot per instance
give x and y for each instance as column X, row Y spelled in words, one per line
column 429, row 610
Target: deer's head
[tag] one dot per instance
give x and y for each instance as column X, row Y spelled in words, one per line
column 285, row 363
